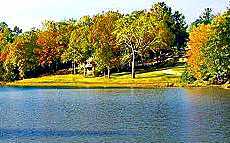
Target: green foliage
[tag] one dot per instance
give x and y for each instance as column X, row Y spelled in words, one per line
column 22, row 53
column 79, row 45
column 186, row 77
column 9, row 71
column 205, row 18
column 218, row 49
column 179, row 29
column 112, row 40
column 214, row 64
column 104, row 42
column 144, row 31
column 7, row 37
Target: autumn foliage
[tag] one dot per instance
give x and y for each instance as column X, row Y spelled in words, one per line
column 47, row 53
column 209, row 54
column 198, row 39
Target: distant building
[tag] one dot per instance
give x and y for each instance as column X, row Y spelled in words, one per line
column 90, row 66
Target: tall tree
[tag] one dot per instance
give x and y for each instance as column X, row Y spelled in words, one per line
column 179, row 29
column 205, row 18
column 48, row 52
column 217, row 52
column 79, row 44
column 64, row 30
column 7, row 36
column 141, row 31
column 196, row 57
column 175, row 22
column 104, row 42
column 209, row 55
column 22, row 54
column 228, row 7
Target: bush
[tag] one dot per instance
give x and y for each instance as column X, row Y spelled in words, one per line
column 187, row 78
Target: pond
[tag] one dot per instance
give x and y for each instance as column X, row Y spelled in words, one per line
column 62, row 115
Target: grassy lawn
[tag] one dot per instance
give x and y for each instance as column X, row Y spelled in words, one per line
column 159, row 78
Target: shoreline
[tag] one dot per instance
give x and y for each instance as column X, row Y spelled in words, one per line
column 93, row 85
column 163, row 78
column 111, row 85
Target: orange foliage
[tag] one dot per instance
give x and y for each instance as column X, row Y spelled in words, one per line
column 48, row 52
column 102, row 37
column 3, row 55
column 198, row 39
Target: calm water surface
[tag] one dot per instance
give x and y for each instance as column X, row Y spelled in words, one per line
column 33, row 115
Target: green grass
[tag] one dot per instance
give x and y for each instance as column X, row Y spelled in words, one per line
column 159, row 78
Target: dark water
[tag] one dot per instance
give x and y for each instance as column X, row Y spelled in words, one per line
column 33, row 115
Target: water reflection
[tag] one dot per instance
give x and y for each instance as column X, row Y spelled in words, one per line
column 209, row 114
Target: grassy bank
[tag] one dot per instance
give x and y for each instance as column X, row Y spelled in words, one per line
column 165, row 77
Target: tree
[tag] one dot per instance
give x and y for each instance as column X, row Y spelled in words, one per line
column 196, row 57
column 228, row 7
column 175, row 22
column 171, row 33
column 218, row 49
column 104, row 42
column 22, row 54
column 7, row 36
column 79, row 44
column 142, row 31
column 179, row 29
column 64, row 30
column 205, row 18
column 208, row 59
column 129, row 32
column 48, row 53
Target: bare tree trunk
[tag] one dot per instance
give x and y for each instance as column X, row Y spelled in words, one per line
column 94, row 71
column 74, row 68
column 133, row 65
column 104, row 73
column 142, row 62
column 108, row 68
column 49, row 69
column 56, row 66
column 84, row 70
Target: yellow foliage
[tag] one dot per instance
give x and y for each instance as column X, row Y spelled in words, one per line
column 198, row 39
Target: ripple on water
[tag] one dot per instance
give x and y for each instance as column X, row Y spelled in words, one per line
column 114, row 115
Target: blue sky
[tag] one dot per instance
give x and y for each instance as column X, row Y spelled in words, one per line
column 30, row 13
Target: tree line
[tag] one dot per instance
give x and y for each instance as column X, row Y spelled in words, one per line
column 110, row 39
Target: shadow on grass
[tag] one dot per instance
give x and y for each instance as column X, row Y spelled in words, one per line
column 152, row 69
column 163, row 75
column 155, row 76
column 120, row 74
